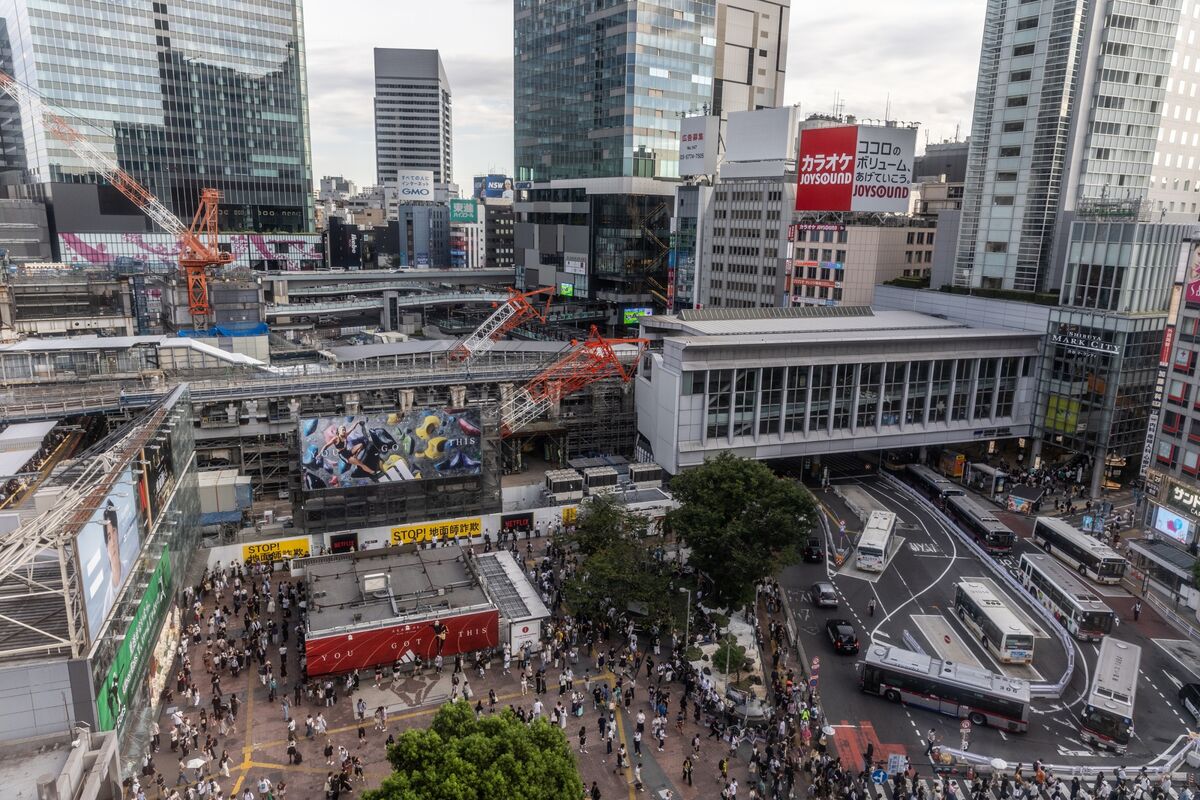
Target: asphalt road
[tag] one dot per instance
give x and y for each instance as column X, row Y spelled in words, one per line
column 915, row 594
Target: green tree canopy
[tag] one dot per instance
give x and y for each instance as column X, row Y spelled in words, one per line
column 741, row 521
column 616, row 564
column 494, row 757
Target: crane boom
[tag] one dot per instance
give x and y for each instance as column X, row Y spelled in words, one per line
column 198, row 245
column 587, row 362
column 517, row 309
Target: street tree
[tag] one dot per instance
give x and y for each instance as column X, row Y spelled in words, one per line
column 742, row 523
column 493, row 757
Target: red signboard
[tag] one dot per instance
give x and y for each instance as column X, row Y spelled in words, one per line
column 346, row 651
column 826, row 169
column 1164, row 355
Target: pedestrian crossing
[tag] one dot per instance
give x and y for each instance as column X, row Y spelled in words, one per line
column 961, row 790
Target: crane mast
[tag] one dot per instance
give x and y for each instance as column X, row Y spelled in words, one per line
column 517, row 309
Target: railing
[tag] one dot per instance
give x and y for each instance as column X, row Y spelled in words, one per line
column 1185, row 627
column 1037, row 689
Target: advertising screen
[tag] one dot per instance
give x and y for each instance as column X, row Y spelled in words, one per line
column 1171, row 524
column 388, row 448
column 125, row 673
column 632, row 315
column 493, row 186
column 158, row 478
column 462, row 211
column 855, row 168
column 108, row 545
column 566, row 290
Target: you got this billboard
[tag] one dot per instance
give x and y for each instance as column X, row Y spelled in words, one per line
column 855, row 168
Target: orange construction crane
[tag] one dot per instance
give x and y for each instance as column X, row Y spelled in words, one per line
column 508, row 315
column 587, row 362
column 198, row 250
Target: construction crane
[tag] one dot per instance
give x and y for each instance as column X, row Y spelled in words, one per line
column 587, row 362
column 198, row 244
column 517, row 309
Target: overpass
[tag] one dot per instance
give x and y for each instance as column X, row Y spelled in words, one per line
column 359, row 276
column 376, row 303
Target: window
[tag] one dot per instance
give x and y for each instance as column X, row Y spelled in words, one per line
column 1018, row 101
column 1014, row 127
column 1177, row 392
column 1002, row 200
column 1010, row 152
column 1022, row 50
column 1103, row 153
column 996, row 247
column 1029, row 23
column 1016, row 76
column 1006, row 176
column 1167, row 454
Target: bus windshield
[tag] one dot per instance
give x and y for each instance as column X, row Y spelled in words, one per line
column 1095, row 621
column 874, row 552
column 1018, row 642
column 1106, row 724
column 1112, row 568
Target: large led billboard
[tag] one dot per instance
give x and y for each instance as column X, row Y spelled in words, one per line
column 855, row 168
column 338, row 452
column 108, row 544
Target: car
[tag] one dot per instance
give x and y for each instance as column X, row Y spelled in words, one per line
column 1189, row 698
column 842, row 636
column 814, row 551
column 823, row 595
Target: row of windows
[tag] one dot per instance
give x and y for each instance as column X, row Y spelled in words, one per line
column 827, row 236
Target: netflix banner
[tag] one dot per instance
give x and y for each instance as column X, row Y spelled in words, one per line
column 464, row 633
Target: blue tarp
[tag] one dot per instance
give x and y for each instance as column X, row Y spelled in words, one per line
column 257, row 329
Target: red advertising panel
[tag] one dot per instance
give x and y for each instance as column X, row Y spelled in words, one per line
column 825, row 169
column 346, row 651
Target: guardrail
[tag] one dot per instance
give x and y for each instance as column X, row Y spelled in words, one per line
column 912, row 642
column 1170, row 767
column 1036, row 689
column 1171, row 616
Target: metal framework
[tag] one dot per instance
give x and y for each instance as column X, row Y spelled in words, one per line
column 198, row 250
column 587, row 362
column 39, row 574
column 517, row 309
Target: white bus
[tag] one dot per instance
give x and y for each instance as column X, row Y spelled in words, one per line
column 1079, row 551
column 957, row 690
column 1107, row 719
column 1073, row 604
column 875, row 541
column 999, row 629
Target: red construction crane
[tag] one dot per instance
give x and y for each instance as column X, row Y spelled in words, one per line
column 508, row 315
column 587, row 362
column 198, row 249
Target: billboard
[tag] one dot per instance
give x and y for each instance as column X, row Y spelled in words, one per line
column 437, row 531
column 632, row 315
column 855, row 168
column 389, row 448
column 415, row 185
column 698, row 145
column 276, row 550
column 463, row 211
column 462, row 633
column 158, row 478
column 566, row 290
column 108, row 544
column 1171, row 524
column 1191, row 296
column 493, row 186
column 125, row 673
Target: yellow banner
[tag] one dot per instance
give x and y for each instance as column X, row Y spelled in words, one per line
column 570, row 515
column 442, row 529
column 276, row 550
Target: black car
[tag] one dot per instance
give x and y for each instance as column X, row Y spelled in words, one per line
column 1189, row 698
column 842, row 636
column 823, row 595
column 814, row 551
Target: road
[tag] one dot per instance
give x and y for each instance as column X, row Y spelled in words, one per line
column 915, row 594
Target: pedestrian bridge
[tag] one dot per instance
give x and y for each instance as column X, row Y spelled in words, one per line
column 358, row 304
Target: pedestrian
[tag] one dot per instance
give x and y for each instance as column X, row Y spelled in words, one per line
column 871, row 607
column 637, row 777
column 583, row 738
column 687, row 770
column 930, row 741
column 1137, row 609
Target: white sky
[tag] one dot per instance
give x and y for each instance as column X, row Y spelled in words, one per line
column 923, row 55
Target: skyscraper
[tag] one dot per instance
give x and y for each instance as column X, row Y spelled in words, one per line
column 751, row 56
column 1068, row 105
column 183, row 95
column 413, row 119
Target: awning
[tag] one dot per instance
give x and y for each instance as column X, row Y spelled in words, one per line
column 1165, row 555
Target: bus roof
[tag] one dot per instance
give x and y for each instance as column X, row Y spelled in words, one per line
column 1069, row 531
column 1003, row 616
column 1115, row 684
column 878, row 529
column 982, row 513
column 1058, row 574
column 942, row 482
column 968, row 677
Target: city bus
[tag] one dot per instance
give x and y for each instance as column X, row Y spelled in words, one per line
column 1071, row 601
column 1107, row 719
column 1079, row 551
column 875, row 541
column 986, row 528
column 957, row 690
column 931, row 484
column 999, row 629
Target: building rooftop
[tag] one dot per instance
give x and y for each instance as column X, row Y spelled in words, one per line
column 509, row 588
column 87, row 343
column 416, row 583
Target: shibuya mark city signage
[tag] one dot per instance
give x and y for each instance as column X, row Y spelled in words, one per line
column 855, row 168
column 1079, row 342
column 698, row 145
column 448, row 636
column 125, row 673
column 416, row 185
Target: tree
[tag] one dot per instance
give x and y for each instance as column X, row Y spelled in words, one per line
column 494, row 757
column 617, row 567
column 741, row 521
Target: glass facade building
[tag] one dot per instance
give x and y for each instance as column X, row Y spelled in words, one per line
column 600, row 87
column 183, row 95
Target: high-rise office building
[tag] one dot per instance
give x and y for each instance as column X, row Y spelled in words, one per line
column 183, row 95
column 414, row 125
column 751, row 57
column 1068, row 105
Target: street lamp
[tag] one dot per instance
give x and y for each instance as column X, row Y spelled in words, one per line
column 687, row 621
